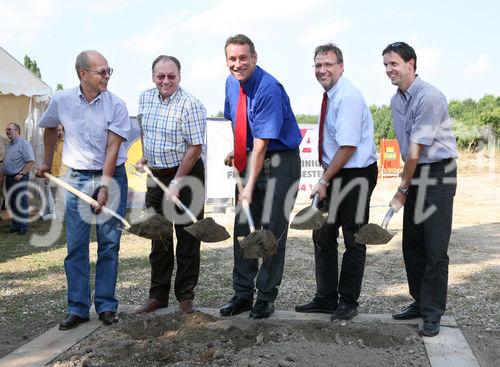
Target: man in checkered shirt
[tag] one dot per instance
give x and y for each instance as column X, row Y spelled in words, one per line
column 173, row 132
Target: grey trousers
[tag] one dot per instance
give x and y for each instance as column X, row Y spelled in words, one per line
column 272, row 201
column 425, row 243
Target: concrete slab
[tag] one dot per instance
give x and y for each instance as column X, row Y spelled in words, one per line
column 49, row 345
column 448, row 349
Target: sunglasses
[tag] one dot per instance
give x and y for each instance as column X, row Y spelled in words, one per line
column 102, row 73
column 163, row 76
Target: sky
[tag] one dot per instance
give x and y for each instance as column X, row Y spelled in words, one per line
column 454, row 41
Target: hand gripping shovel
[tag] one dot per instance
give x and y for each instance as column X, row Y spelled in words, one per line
column 258, row 244
column 206, row 230
column 137, row 229
column 309, row 217
column 373, row 234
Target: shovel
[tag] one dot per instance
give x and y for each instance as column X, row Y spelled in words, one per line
column 258, row 244
column 142, row 229
column 206, row 230
column 309, row 217
column 373, row 234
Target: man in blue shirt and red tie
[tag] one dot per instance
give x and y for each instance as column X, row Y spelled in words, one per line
column 266, row 154
column 349, row 158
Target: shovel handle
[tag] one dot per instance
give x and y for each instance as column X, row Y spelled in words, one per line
column 244, row 203
column 387, row 218
column 86, row 198
column 315, row 201
column 175, row 199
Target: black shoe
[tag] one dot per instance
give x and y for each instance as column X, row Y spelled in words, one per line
column 22, row 232
column 315, row 307
column 429, row 328
column 108, row 317
column 345, row 312
column 236, row 306
column 410, row 312
column 72, row 321
column 11, row 230
column 262, row 309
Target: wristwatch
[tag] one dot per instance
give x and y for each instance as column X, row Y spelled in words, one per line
column 403, row 190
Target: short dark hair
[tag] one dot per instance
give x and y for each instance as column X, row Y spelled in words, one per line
column 240, row 39
column 166, row 58
column 404, row 50
column 323, row 49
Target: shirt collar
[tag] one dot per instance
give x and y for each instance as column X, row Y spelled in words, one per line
column 168, row 99
column 333, row 90
column 83, row 99
column 412, row 89
column 250, row 84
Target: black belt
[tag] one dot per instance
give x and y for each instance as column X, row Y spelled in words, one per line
column 164, row 171
column 438, row 163
column 91, row 171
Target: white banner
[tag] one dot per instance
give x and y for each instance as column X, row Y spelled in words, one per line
column 219, row 180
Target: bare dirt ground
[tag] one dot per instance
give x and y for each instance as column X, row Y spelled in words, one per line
column 32, row 298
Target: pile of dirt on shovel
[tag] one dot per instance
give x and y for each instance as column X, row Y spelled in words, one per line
column 202, row 340
column 155, row 227
column 259, row 244
column 373, row 234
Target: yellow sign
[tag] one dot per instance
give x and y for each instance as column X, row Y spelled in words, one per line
column 136, row 179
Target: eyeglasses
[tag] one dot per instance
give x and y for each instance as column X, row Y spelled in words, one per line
column 169, row 76
column 326, row 65
column 102, row 73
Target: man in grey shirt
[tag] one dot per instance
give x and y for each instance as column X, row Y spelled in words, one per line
column 428, row 184
column 17, row 163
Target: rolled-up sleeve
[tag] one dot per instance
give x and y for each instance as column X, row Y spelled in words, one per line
column 194, row 124
column 120, row 124
column 428, row 115
column 349, row 122
column 51, row 116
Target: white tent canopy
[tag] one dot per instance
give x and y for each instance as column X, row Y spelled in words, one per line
column 23, row 99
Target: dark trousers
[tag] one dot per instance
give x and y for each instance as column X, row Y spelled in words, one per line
column 187, row 248
column 272, row 202
column 425, row 243
column 343, row 215
column 17, row 192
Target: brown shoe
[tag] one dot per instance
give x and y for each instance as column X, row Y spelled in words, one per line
column 151, row 305
column 186, row 306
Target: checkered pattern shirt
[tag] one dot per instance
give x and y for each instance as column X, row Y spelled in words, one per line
column 169, row 126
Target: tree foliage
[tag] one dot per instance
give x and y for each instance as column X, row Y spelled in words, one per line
column 32, row 66
column 59, row 86
column 473, row 122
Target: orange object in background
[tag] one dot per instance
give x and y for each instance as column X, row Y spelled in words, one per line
column 390, row 158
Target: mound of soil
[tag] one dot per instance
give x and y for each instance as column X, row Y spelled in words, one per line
column 202, row 340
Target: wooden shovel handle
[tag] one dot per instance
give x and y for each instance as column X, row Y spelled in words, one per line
column 86, row 198
column 244, row 203
column 175, row 199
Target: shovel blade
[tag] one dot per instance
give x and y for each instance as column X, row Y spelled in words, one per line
column 373, row 234
column 308, row 218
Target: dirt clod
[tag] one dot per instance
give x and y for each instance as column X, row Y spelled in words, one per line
column 259, row 244
column 207, row 230
column 373, row 234
column 154, row 227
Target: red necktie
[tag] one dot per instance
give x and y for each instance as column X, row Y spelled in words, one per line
column 322, row 126
column 240, row 132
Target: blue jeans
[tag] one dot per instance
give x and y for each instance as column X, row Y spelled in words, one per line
column 18, row 191
column 78, row 221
